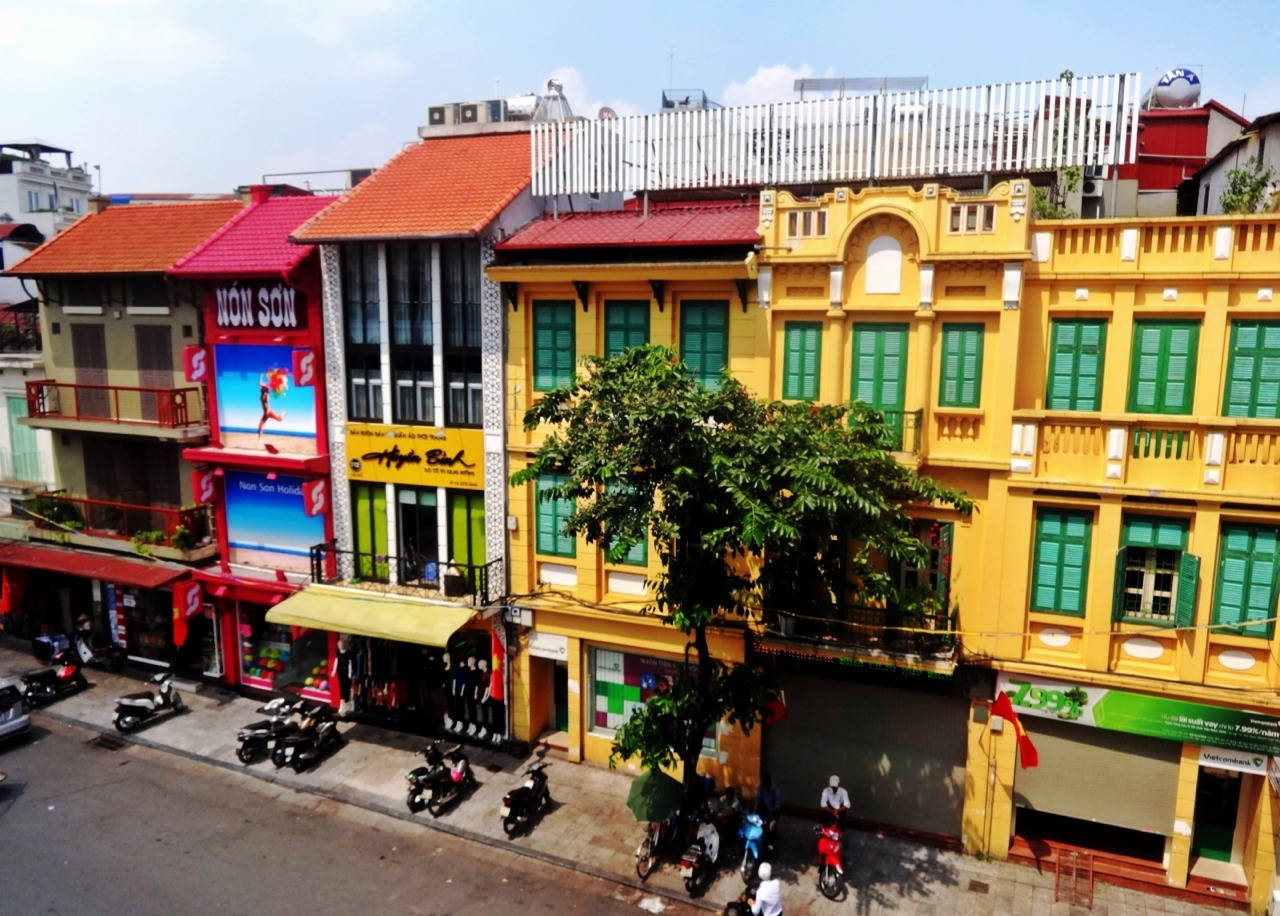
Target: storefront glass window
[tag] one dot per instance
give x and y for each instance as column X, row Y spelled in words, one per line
column 272, row 658
column 621, row 683
column 148, row 623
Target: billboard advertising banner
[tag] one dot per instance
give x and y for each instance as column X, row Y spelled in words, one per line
column 267, row 522
column 259, row 404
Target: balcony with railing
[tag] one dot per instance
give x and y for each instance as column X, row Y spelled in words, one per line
column 415, row 574
column 905, row 430
column 1235, row 456
column 174, row 413
column 912, row 635
column 180, row 533
column 19, row 332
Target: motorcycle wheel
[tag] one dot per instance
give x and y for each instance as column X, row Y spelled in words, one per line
column 435, row 807
column 277, row 757
column 179, row 704
column 691, row 885
column 748, row 869
column 29, row 696
column 646, row 858
column 81, row 681
column 125, row 724
column 299, row 764
column 829, row 883
column 510, row 826
column 245, row 754
column 415, row 802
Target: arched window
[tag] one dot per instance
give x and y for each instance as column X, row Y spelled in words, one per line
column 884, row 265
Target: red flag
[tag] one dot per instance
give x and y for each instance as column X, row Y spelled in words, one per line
column 497, row 665
column 1003, row 708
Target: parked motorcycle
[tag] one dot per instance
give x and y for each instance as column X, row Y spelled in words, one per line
column 752, row 835
column 133, row 709
column 830, row 861
column 521, row 805
column 63, row 676
column 698, row 862
column 742, row 905
column 447, row 787
column 254, row 740
column 316, row 736
column 110, row 657
column 658, row 837
column 420, row 777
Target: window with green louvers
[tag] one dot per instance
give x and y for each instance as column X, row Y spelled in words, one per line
column 704, row 339
column 802, row 360
column 1253, row 370
column 961, row 381
column 552, row 345
column 1076, row 351
column 626, row 325
column 1060, row 570
column 1244, row 598
column 551, row 516
column 1163, row 372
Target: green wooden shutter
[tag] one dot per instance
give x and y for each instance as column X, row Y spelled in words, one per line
column 1163, row 370
column 626, row 325
column 704, row 339
column 1154, row 531
column 1253, row 370
column 553, row 355
column 1076, row 352
column 879, row 371
column 1117, row 594
column 1061, row 574
column 961, row 377
column 1185, row 606
column 1245, row 594
column 551, row 516
column 801, row 360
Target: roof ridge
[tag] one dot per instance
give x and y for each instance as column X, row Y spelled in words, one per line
column 351, row 192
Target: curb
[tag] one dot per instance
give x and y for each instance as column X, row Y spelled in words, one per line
column 380, row 808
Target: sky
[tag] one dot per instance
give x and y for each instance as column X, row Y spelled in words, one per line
column 196, row 96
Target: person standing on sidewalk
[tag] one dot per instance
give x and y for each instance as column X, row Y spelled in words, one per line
column 767, row 900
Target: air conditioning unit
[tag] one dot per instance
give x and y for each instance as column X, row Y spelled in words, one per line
column 442, row 115
column 486, row 112
column 1092, row 187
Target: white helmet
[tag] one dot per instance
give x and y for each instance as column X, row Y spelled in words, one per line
column 834, row 782
column 765, row 871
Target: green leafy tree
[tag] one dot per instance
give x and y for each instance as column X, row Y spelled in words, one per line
column 1246, row 187
column 724, row 483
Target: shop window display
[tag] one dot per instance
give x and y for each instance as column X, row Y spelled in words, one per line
column 272, row 658
column 149, row 623
column 621, row 683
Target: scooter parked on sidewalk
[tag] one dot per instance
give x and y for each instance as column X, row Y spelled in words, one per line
column 254, row 740
column 64, row 675
column 698, row 862
column 752, row 835
column 109, row 657
column 420, row 777
column 521, row 805
column 447, row 787
column 133, row 709
column 316, row 736
column 830, row 861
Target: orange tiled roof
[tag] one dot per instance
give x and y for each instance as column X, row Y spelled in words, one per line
column 446, row 186
column 121, row 240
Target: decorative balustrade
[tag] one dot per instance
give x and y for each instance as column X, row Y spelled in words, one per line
column 170, row 408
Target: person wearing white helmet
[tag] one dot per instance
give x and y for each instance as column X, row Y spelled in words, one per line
column 767, row 900
column 835, row 800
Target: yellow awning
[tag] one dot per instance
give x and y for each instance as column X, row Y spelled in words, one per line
column 347, row 610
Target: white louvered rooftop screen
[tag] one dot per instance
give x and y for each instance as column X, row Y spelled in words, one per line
column 1036, row 125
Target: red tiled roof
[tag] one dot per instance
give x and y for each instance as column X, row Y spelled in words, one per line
column 123, row 240
column 255, row 242
column 671, row 225
column 446, row 186
column 90, row 565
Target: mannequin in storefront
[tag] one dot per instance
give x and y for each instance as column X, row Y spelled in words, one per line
column 458, row 697
column 343, row 661
column 481, row 693
column 469, row 696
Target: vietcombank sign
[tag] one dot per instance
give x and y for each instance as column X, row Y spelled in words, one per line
column 1142, row 714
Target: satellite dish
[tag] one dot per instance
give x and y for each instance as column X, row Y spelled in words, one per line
column 1178, row 88
column 606, row 113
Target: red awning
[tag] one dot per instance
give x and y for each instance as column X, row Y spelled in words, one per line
column 260, row 460
column 89, row 565
column 243, row 588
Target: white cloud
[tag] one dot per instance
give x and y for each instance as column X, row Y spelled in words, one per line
column 378, row 63
column 767, row 84
column 580, row 98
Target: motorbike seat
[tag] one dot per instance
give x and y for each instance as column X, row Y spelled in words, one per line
column 145, row 701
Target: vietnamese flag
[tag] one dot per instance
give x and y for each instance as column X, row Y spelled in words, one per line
column 1003, row 708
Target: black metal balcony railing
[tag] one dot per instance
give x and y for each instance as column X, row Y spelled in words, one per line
column 888, row 630
column 475, row 582
column 19, row 332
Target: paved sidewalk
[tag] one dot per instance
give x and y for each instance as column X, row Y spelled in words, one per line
column 589, row 827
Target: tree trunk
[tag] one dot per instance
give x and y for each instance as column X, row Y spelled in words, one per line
column 690, row 753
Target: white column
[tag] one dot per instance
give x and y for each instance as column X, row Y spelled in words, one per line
column 437, row 337
column 384, row 344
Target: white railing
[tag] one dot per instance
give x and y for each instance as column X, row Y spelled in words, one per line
column 1037, row 125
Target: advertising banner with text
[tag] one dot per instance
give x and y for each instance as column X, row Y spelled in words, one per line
column 1142, row 714
column 419, row 456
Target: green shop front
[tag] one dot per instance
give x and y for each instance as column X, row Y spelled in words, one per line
column 1136, row 776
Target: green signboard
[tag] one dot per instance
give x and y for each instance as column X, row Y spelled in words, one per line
column 1142, row 714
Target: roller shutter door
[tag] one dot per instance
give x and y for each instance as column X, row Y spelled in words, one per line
column 1098, row 775
column 900, row 754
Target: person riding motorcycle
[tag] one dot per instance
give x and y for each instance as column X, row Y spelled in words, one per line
column 767, row 900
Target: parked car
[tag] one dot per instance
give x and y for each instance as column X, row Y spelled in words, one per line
column 15, row 718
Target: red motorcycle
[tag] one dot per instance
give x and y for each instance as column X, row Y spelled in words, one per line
column 830, row 861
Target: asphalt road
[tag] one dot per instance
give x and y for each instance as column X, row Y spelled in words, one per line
column 89, row 830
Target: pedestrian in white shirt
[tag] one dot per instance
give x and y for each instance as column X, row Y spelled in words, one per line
column 835, row 800
column 768, row 896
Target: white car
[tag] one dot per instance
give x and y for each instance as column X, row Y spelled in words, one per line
column 15, row 719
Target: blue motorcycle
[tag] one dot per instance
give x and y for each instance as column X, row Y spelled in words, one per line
column 752, row 835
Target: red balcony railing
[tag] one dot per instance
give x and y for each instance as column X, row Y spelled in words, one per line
column 179, row 528
column 166, row 407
